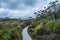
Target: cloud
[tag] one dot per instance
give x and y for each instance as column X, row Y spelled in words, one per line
column 12, row 0
column 21, row 8
column 13, row 4
column 3, row 5
column 15, row 13
column 30, row 2
column 3, row 13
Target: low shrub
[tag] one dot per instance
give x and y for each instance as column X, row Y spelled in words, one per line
column 57, row 26
column 50, row 25
column 10, row 33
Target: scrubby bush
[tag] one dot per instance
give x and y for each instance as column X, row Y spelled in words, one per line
column 8, row 31
column 38, row 27
column 57, row 26
column 50, row 25
column 53, row 25
column 10, row 34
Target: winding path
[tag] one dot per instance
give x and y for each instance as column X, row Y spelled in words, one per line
column 25, row 34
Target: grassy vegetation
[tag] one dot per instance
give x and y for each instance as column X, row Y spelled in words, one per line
column 12, row 29
column 10, row 34
column 38, row 27
column 52, row 25
column 49, row 30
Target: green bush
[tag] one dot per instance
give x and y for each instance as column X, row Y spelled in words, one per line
column 50, row 24
column 38, row 27
column 53, row 25
column 57, row 26
column 10, row 33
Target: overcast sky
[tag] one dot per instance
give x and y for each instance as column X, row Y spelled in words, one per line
column 21, row 8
